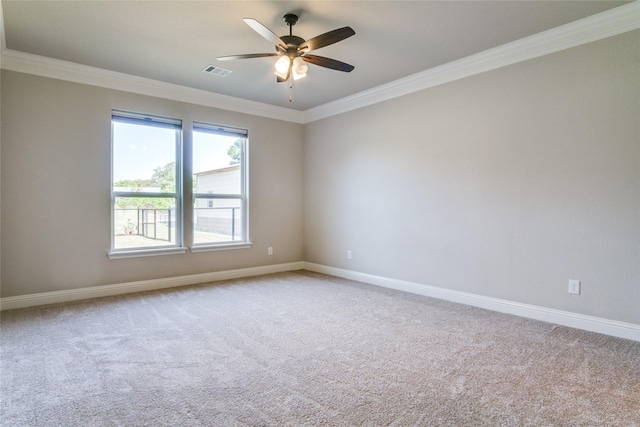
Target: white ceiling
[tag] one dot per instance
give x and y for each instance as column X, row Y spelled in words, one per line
column 172, row 41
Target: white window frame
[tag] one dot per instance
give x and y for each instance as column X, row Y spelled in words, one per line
column 178, row 247
column 243, row 134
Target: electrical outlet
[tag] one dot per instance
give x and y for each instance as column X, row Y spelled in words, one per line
column 269, row 250
column 349, row 254
column 574, row 287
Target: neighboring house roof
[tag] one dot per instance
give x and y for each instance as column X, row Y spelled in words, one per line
column 224, row 169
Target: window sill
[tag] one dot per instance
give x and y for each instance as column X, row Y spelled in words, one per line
column 221, row 247
column 145, row 252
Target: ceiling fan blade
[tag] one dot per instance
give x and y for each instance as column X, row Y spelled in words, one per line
column 246, row 56
column 266, row 33
column 326, row 39
column 328, row 63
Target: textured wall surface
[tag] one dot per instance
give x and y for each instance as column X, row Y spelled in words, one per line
column 505, row 184
column 56, row 150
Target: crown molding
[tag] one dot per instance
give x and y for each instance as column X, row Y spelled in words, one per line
column 64, row 70
column 602, row 25
column 605, row 24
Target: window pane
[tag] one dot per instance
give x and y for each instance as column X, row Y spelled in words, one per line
column 217, row 163
column 217, row 220
column 146, row 177
column 219, row 214
column 144, row 158
column 142, row 222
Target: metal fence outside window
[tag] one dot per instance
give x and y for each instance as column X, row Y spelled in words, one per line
column 156, row 224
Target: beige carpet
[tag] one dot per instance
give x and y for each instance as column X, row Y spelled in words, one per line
column 303, row 349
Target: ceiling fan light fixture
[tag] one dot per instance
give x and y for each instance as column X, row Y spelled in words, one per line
column 297, row 76
column 300, row 68
column 282, row 66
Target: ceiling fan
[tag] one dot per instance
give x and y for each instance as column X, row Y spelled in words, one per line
column 294, row 51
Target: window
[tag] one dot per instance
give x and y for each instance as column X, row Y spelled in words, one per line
column 147, row 183
column 146, row 196
column 219, row 186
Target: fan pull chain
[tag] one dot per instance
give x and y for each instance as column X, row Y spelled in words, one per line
column 291, row 87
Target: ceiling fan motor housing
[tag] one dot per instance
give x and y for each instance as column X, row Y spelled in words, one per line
column 290, row 19
column 292, row 44
column 291, row 41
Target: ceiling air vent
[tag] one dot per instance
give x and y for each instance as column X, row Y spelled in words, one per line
column 218, row 71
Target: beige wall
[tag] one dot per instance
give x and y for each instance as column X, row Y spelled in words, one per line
column 505, row 184
column 55, row 169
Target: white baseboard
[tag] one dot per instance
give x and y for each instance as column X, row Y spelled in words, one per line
column 580, row 321
column 565, row 318
column 43, row 298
